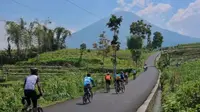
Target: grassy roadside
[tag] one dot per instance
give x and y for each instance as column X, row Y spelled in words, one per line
column 180, row 79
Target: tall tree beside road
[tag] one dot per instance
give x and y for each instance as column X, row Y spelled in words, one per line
column 157, row 40
column 134, row 44
column 139, row 31
column 114, row 24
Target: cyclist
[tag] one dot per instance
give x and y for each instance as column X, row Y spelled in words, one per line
column 29, row 88
column 126, row 77
column 108, row 79
column 134, row 73
column 87, row 83
column 145, row 67
column 117, row 79
column 122, row 76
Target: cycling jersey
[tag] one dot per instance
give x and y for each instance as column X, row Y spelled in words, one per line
column 87, row 80
column 122, row 76
column 30, row 82
column 118, row 76
column 108, row 77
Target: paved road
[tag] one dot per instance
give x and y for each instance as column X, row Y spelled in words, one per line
column 136, row 93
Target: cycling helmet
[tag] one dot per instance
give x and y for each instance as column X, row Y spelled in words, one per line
column 88, row 75
column 34, row 71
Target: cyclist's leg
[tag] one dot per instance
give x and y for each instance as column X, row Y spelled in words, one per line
column 109, row 82
column 85, row 89
column 34, row 100
column 28, row 98
column 90, row 88
column 118, row 83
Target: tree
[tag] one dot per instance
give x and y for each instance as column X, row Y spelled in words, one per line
column 134, row 44
column 103, row 47
column 149, row 43
column 44, row 36
column 9, row 48
column 83, row 48
column 38, row 33
column 114, row 24
column 15, row 33
column 157, row 40
column 140, row 29
column 61, row 34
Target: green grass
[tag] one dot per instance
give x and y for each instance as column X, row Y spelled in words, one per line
column 60, row 82
column 180, row 84
column 68, row 57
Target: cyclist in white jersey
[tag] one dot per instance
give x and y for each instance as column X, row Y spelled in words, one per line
column 29, row 88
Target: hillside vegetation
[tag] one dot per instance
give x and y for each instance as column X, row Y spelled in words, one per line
column 62, row 70
column 67, row 81
column 180, row 78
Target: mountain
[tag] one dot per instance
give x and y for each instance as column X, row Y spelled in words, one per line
column 90, row 34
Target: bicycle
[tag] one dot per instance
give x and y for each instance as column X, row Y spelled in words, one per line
column 145, row 69
column 30, row 108
column 122, row 87
column 126, row 80
column 87, row 96
column 119, row 87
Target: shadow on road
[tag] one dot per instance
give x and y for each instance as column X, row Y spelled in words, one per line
column 116, row 93
column 82, row 104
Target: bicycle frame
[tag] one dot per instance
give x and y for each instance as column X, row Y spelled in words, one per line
column 29, row 108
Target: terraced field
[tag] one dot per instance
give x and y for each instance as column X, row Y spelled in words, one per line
column 60, row 77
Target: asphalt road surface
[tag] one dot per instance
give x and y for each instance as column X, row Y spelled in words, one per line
column 136, row 93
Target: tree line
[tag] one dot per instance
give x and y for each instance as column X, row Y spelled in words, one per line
column 31, row 39
column 138, row 32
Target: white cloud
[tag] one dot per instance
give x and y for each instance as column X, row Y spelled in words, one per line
column 154, row 9
column 3, row 40
column 186, row 21
column 123, row 5
column 121, row 2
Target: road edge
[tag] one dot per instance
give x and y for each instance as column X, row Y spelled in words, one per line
column 148, row 104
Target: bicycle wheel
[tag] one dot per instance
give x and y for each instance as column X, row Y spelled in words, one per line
column 39, row 109
column 123, row 87
column 116, row 90
column 88, row 98
column 107, row 88
column 84, row 99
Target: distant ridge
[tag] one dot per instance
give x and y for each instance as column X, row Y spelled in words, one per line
column 90, row 34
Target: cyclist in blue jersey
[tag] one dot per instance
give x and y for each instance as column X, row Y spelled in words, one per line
column 117, row 79
column 87, row 83
column 122, row 76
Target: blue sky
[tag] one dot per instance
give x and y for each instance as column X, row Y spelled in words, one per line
column 181, row 16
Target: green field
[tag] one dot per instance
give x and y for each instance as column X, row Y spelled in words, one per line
column 61, row 79
column 180, row 80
